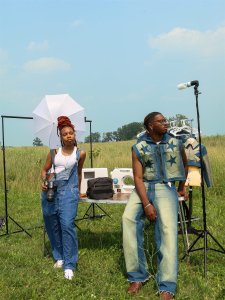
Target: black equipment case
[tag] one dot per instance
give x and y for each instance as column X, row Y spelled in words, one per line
column 100, row 188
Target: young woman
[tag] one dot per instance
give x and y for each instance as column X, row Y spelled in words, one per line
column 159, row 161
column 65, row 169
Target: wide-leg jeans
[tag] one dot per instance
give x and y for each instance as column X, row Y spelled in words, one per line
column 165, row 200
column 59, row 217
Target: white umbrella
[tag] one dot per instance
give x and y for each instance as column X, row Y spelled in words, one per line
column 45, row 118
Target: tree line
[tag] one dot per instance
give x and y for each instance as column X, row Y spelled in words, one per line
column 124, row 133
column 130, row 131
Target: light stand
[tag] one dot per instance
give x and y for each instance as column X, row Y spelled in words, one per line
column 91, row 212
column 89, row 121
column 87, row 214
column 7, row 216
column 204, row 233
column 190, row 229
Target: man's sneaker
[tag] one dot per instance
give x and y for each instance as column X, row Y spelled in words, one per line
column 58, row 264
column 68, row 274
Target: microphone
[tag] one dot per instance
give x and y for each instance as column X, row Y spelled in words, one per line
column 182, row 86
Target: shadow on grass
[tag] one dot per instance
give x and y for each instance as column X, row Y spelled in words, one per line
column 99, row 240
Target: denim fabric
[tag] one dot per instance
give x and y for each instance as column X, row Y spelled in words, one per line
column 192, row 150
column 64, row 175
column 165, row 200
column 59, row 217
column 161, row 162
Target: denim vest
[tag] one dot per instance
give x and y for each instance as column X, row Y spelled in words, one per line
column 192, row 150
column 161, row 162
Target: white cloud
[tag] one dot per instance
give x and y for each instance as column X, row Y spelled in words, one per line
column 46, row 64
column 38, row 46
column 76, row 23
column 208, row 43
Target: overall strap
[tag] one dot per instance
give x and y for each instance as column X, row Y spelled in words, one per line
column 78, row 155
column 53, row 152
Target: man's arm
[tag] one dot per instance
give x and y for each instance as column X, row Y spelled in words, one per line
column 181, row 187
column 149, row 209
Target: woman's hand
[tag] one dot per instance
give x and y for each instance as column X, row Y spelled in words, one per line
column 44, row 186
column 150, row 212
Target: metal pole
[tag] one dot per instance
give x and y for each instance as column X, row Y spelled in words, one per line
column 5, row 180
column 196, row 92
column 4, row 174
column 89, row 121
column 91, row 145
column 204, row 232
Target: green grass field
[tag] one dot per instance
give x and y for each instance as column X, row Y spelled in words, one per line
column 27, row 274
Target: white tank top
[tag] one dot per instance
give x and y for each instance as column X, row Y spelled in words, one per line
column 63, row 162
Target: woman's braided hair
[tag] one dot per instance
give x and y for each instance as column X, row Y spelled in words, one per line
column 64, row 121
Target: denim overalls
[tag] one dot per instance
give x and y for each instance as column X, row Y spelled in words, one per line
column 59, row 217
column 162, row 166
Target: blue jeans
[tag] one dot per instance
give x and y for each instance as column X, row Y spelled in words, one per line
column 59, row 217
column 165, row 201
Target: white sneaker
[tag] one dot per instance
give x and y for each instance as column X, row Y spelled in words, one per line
column 58, row 264
column 68, row 274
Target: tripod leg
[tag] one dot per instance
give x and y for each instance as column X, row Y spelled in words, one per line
column 88, row 215
column 190, row 206
column 221, row 247
column 205, row 253
column 183, row 228
column 89, row 208
column 103, row 210
column 201, row 234
column 93, row 210
column 22, row 229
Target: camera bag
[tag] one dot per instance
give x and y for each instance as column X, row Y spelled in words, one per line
column 100, row 188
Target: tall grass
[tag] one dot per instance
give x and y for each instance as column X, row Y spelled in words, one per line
column 27, row 274
column 23, row 164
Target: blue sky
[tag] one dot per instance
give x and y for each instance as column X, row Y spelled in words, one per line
column 119, row 59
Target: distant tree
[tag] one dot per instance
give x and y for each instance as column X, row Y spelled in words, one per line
column 108, row 137
column 179, row 120
column 116, row 136
column 129, row 131
column 37, row 142
column 111, row 136
column 95, row 136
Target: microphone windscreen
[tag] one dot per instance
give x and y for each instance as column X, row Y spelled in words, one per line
column 181, row 86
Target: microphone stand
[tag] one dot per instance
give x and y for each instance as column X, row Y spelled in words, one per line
column 204, row 233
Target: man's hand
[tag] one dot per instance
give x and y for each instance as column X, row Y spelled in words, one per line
column 150, row 212
column 183, row 193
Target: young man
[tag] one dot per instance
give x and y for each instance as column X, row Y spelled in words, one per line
column 159, row 161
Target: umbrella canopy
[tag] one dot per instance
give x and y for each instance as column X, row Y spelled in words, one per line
column 45, row 118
